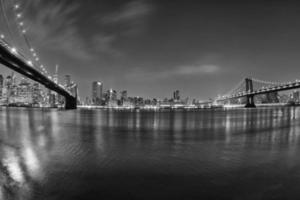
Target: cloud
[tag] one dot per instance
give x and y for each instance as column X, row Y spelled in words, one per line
column 52, row 25
column 196, row 70
column 128, row 20
column 104, row 44
column 176, row 72
column 130, row 17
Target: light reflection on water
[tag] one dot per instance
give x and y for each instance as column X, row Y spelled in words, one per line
column 85, row 154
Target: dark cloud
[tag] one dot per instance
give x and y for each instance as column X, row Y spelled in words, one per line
column 131, row 17
column 53, row 26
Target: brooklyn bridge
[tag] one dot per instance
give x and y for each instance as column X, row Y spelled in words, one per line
column 24, row 59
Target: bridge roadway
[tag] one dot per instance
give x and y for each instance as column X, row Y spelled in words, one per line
column 14, row 61
column 288, row 86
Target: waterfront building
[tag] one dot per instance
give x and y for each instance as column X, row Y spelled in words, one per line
column 176, row 96
column 1, row 85
column 8, row 88
column 52, row 100
column 97, row 90
column 37, row 98
column 123, row 98
column 295, row 96
column 124, row 95
column 23, row 95
column 111, row 98
column 272, row 97
column 139, row 102
column 67, row 81
column 55, row 76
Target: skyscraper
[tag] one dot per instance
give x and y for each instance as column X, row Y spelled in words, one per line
column 8, row 88
column 36, row 94
column 111, row 98
column 97, row 89
column 55, row 76
column 1, row 85
column 176, row 95
column 23, row 92
column 124, row 95
column 67, row 80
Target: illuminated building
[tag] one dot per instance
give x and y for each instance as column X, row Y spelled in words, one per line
column 111, row 98
column 37, row 98
column 124, row 95
column 1, row 85
column 176, row 95
column 55, row 76
column 7, row 89
column 97, row 88
column 295, row 96
column 23, row 93
column 67, row 80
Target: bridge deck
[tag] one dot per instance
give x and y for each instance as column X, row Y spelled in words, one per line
column 289, row 86
column 15, row 62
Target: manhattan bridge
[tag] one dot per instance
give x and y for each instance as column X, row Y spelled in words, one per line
column 24, row 58
column 250, row 87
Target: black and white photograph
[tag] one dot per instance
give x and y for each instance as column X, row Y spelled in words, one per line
column 149, row 100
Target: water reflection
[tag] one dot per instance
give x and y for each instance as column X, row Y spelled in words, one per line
column 74, row 153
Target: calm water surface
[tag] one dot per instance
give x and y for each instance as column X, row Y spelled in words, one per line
column 93, row 154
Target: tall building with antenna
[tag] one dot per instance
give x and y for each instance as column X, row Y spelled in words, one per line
column 55, row 76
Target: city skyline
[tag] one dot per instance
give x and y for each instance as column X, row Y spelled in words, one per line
column 149, row 99
column 150, row 47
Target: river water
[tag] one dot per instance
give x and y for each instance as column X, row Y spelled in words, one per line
column 98, row 154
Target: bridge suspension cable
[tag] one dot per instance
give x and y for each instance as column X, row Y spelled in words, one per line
column 236, row 88
column 267, row 82
column 6, row 22
column 18, row 15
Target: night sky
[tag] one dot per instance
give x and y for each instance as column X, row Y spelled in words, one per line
column 153, row 47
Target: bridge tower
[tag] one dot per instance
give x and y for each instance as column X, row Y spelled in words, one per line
column 250, row 98
column 70, row 103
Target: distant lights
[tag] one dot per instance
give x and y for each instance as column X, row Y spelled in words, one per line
column 17, row 6
column 19, row 15
column 24, row 31
column 2, row 36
